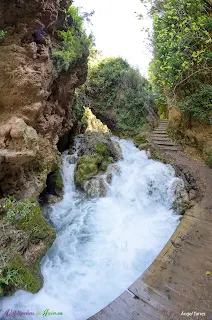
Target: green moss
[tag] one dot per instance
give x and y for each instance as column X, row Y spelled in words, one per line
column 58, row 179
column 27, row 225
column 37, row 226
column 21, row 277
column 140, row 139
column 101, row 149
column 158, row 157
column 105, row 163
column 87, row 167
column 17, row 209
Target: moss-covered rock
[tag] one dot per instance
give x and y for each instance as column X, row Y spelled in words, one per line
column 26, row 238
column 181, row 203
column 144, row 146
column 155, row 155
column 140, row 139
column 99, row 143
column 97, row 151
column 87, row 167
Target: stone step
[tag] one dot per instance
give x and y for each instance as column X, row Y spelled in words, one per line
column 169, row 148
column 164, row 142
column 161, row 138
column 159, row 131
column 160, row 135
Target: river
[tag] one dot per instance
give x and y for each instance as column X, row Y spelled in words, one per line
column 103, row 244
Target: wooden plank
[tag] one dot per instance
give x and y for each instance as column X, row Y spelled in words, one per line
column 141, row 308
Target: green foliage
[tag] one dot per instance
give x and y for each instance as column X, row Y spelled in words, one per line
column 118, row 92
column 101, row 148
column 26, row 215
column 198, row 103
column 2, row 34
column 18, row 209
column 182, row 53
column 9, row 276
column 19, row 276
column 74, row 41
column 140, row 139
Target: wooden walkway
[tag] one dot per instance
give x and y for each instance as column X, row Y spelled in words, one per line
column 179, row 280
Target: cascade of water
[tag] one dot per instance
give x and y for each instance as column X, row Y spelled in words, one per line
column 104, row 244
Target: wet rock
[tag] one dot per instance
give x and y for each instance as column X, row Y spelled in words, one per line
column 144, row 146
column 96, row 152
column 72, row 159
column 100, row 143
column 111, row 171
column 181, row 203
column 95, row 187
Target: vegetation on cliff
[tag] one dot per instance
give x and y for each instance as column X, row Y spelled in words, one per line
column 182, row 65
column 117, row 94
column 74, row 40
column 25, row 238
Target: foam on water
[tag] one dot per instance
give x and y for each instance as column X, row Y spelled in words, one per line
column 103, row 245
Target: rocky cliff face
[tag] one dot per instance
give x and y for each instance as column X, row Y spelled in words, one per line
column 189, row 131
column 35, row 105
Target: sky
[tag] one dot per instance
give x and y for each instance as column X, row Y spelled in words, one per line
column 117, row 30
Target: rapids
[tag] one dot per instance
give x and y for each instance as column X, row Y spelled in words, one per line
column 103, row 244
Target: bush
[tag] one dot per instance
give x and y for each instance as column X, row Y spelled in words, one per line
column 140, row 139
column 2, row 34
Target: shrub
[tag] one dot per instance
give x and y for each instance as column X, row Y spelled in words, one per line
column 140, row 139
column 2, row 34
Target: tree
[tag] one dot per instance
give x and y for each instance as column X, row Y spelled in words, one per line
column 117, row 94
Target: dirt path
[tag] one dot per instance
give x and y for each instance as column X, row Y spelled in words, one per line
column 178, row 284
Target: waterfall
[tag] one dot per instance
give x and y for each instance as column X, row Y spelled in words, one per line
column 103, row 244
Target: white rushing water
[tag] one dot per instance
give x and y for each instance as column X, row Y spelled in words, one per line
column 103, row 245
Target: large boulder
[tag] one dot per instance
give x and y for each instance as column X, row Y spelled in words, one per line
column 182, row 202
column 96, row 152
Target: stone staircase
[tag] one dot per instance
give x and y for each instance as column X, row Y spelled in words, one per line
column 160, row 139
